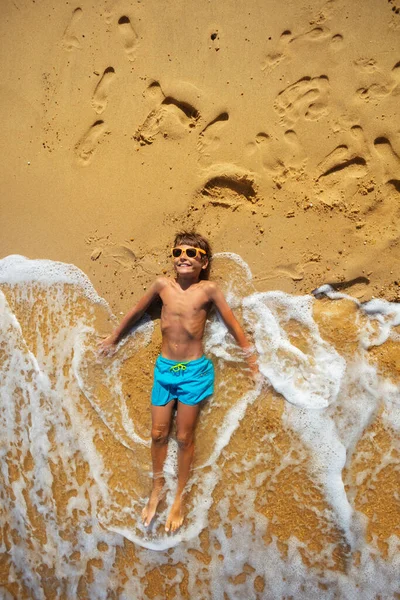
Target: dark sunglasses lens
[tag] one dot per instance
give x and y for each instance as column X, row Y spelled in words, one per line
column 176, row 252
column 191, row 252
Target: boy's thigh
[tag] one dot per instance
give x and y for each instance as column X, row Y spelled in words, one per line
column 186, row 416
column 161, row 416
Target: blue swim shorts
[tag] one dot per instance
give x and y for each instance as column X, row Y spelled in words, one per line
column 190, row 382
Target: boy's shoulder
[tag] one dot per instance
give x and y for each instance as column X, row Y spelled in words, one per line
column 210, row 287
column 162, row 281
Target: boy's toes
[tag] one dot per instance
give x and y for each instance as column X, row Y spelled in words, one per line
column 174, row 520
column 146, row 516
column 177, row 524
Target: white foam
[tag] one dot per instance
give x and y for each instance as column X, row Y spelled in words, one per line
column 115, row 413
column 327, row 459
column 39, row 411
column 308, row 379
column 236, row 258
column 386, row 314
column 16, row 270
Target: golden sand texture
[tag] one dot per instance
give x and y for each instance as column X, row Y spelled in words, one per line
column 270, row 127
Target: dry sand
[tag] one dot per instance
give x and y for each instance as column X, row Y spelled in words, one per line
column 271, row 127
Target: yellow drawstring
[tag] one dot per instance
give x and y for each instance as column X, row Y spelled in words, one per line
column 178, row 367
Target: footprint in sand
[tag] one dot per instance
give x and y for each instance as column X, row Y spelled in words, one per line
column 229, row 187
column 86, row 147
column 173, row 119
column 358, row 136
column 366, row 65
column 280, row 158
column 288, row 42
column 316, row 34
column 341, row 161
column 306, row 98
column 383, row 85
column 154, row 94
column 100, row 96
column 273, row 58
column 268, row 150
column 295, row 155
column 336, row 42
column 209, row 138
column 226, row 189
column 390, row 161
column 69, row 40
column 359, row 142
column 123, row 255
column 129, row 36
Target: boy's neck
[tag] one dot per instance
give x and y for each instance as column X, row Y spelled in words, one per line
column 186, row 282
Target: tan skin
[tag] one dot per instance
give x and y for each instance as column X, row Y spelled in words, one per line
column 186, row 302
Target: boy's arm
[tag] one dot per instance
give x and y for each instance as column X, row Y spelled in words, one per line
column 108, row 345
column 233, row 325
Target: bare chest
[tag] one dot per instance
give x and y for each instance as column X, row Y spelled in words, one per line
column 184, row 305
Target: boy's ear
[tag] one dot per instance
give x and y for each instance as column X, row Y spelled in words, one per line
column 205, row 263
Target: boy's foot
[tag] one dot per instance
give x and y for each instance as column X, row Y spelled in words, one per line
column 150, row 509
column 175, row 517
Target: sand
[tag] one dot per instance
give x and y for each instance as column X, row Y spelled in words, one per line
column 273, row 129
column 270, row 127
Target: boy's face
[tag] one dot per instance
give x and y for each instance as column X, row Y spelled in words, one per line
column 185, row 265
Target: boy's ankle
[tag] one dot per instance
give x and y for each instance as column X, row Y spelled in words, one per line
column 158, row 481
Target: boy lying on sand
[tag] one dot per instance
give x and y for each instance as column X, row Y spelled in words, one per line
column 182, row 373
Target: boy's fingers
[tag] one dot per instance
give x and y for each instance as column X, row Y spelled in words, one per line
column 105, row 353
column 106, row 350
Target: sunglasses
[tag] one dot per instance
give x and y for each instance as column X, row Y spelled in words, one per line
column 190, row 252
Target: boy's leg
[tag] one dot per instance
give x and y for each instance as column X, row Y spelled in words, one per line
column 185, row 425
column 161, row 423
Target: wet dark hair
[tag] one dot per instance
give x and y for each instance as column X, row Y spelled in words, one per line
column 192, row 238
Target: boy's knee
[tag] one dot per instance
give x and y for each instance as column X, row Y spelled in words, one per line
column 160, row 435
column 185, row 439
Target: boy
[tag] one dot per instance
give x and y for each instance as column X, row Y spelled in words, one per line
column 182, row 373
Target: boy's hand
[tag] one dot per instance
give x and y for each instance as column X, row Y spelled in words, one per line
column 108, row 346
column 251, row 360
column 253, row 366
